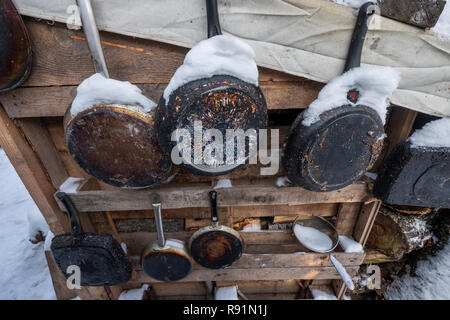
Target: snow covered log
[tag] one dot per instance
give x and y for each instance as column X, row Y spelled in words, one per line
column 397, row 234
column 420, row 13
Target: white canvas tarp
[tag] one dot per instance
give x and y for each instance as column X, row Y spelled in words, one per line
column 308, row 38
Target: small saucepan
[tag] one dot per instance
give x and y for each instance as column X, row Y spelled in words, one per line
column 342, row 145
column 319, row 235
column 215, row 246
column 165, row 260
column 114, row 142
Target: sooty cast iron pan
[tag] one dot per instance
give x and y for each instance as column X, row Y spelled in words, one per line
column 215, row 246
column 165, row 260
column 114, row 143
column 339, row 148
column 15, row 53
column 415, row 176
column 100, row 257
column 219, row 102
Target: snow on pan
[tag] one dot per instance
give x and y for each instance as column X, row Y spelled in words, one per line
column 433, row 134
column 219, row 55
column 313, row 238
column 97, row 90
column 375, row 84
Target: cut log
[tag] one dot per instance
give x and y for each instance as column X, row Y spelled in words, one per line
column 420, row 13
column 397, row 234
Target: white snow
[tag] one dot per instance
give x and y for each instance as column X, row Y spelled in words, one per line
column 219, row 55
column 124, row 247
column 48, row 241
column 226, row 293
column 133, row 294
column 223, row 184
column 71, row 185
column 98, row 90
column 282, row 182
column 342, row 272
column 322, row 295
column 432, row 281
column 371, row 175
column 433, row 134
column 313, row 238
column 254, row 227
column 350, row 245
column 442, row 27
column 23, row 268
column 375, row 84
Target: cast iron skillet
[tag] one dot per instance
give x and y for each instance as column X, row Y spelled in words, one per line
column 165, row 260
column 339, row 148
column 216, row 246
column 15, row 52
column 220, row 102
column 114, row 143
column 100, row 257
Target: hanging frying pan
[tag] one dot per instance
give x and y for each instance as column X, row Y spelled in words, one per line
column 342, row 145
column 15, row 53
column 100, row 257
column 115, row 143
column 215, row 246
column 415, row 176
column 165, row 260
column 319, row 235
column 220, row 102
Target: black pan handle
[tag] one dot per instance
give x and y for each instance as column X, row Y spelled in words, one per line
column 72, row 213
column 359, row 35
column 213, row 200
column 212, row 15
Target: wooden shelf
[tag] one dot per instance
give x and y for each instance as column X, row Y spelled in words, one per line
column 197, row 197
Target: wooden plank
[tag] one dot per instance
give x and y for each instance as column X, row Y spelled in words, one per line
column 374, row 256
column 399, row 126
column 263, row 286
column 31, row 172
column 41, row 142
column 254, row 274
column 58, row 279
column 172, row 198
column 346, row 218
column 53, row 101
column 365, row 221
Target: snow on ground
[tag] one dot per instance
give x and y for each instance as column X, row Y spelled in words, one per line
column 23, row 268
column 432, row 281
column 442, row 27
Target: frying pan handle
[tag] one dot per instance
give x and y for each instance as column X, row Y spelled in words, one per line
column 342, row 272
column 212, row 15
column 213, row 201
column 359, row 35
column 72, row 213
column 92, row 37
column 156, row 204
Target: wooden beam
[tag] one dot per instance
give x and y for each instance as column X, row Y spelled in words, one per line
column 189, row 197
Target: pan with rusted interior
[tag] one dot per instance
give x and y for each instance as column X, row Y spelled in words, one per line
column 114, row 143
column 220, row 102
column 15, row 53
column 342, row 145
column 165, row 260
column 99, row 257
column 215, row 246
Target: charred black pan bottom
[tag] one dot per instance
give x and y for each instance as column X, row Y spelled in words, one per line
column 100, row 258
column 335, row 151
column 166, row 265
column 416, row 176
column 216, row 249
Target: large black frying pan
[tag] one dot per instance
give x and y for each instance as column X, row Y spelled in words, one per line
column 215, row 246
column 165, row 260
column 418, row 176
column 100, row 257
column 219, row 102
column 115, row 143
column 15, row 48
column 341, row 146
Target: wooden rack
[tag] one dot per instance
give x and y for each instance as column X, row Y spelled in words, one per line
column 274, row 264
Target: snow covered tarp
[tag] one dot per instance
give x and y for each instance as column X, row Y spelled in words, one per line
column 307, row 38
